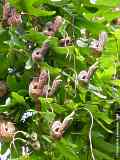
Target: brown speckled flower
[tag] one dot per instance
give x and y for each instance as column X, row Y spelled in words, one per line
column 7, row 130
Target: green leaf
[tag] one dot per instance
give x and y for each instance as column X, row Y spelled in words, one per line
column 116, row 82
column 29, row 64
column 16, row 98
column 100, row 155
column 30, row 9
column 108, row 2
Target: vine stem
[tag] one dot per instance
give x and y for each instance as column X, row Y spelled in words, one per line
column 37, row 104
column 15, row 139
column 90, row 131
column 0, row 147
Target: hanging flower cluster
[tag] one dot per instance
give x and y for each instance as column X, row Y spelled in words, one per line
column 84, row 76
column 34, row 142
column 65, row 41
column 39, row 53
column 98, row 45
column 52, row 27
column 58, row 127
column 7, row 130
column 10, row 15
column 38, row 87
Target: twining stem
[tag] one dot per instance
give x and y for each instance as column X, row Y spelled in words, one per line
column 37, row 104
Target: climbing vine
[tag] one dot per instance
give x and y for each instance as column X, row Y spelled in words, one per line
column 59, row 79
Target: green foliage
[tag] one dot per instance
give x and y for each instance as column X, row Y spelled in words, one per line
column 100, row 97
